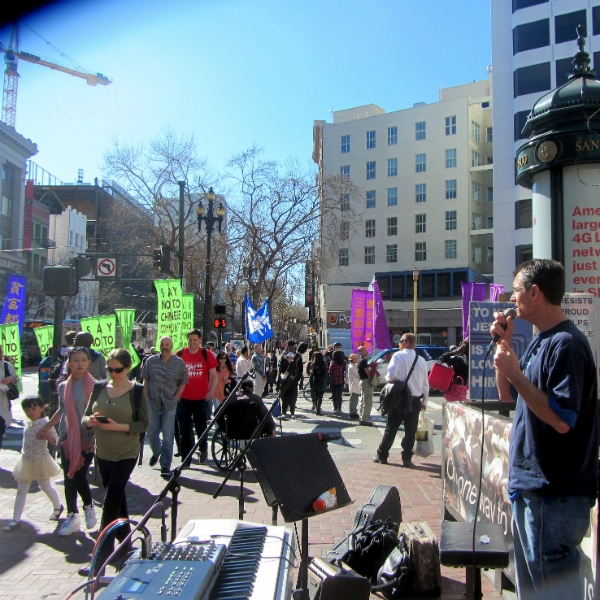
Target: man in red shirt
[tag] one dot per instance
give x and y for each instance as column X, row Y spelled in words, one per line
column 197, row 397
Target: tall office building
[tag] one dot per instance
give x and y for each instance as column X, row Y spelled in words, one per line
column 533, row 44
column 423, row 198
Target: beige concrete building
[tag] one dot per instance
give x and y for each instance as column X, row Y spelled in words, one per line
column 423, row 197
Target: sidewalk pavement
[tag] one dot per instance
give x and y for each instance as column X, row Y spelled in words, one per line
column 36, row 563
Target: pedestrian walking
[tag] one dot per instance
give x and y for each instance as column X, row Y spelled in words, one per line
column 260, row 374
column 318, row 380
column 337, row 372
column 366, row 388
column 353, row 385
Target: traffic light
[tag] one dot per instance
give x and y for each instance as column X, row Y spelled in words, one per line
column 161, row 257
column 157, row 257
column 220, row 309
column 220, row 323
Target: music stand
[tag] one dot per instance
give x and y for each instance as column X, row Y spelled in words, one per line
column 293, row 471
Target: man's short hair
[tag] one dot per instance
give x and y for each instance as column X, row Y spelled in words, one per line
column 547, row 274
column 84, row 338
column 291, row 343
column 411, row 339
column 70, row 337
column 194, row 331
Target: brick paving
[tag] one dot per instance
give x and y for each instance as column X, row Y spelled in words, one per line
column 36, row 563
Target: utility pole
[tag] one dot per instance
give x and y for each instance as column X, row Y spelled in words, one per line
column 181, row 229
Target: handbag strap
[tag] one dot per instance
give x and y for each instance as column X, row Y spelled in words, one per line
column 411, row 369
column 6, row 371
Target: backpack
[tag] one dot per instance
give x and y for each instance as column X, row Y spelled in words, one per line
column 55, row 372
column 319, row 380
column 136, row 400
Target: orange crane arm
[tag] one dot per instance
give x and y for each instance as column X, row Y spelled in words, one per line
column 91, row 78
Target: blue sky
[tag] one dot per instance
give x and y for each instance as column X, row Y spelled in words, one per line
column 235, row 72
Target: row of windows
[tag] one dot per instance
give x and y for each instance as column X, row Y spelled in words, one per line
column 392, row 134
column 391, row 253
column 477, row 193
column 451, row 223
column 431, row 284
column 537, row 33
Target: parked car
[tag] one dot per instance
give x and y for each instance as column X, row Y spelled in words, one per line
column 429, row 353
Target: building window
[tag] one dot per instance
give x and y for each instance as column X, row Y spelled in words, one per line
column 520, row 120
column 421, row 192
column 369, row 255
column 345, row 144
column 476, row 160
column 451, row 158
column 345, row 170
column 392, row 136
column 476, row 131
column 344, row 230
column 6, row 208
column 392, row 196
column 420, row 163
column 450, row 250
column 489, row 160
column 523, row 216
column 518, row 4
column 490, row 194
column 420, row 251
column 343, row 257
column 489, row 135
column 451, row 220
column 421, row 223
column 490, row 222
column 370, row 228
column 451, row 125
column 490, row 254
column 450, row 189
column 523, row 253
column 476, row 222
column 476, row 192
column 392, row 226
column 443, row 284
column 596, row 20
column 371, row 199
column 477, row 253
column 531, row 35
column 564, row 26
column 392, row 167
column 420, row 130
column 562, row 67
column 391, row 253
column 371, row 169
column 345, row 202
column 371, row 140
column 531, row 80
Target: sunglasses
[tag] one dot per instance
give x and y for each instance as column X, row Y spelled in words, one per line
column 116, row 369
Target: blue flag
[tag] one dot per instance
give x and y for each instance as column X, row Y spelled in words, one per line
column 258, row 322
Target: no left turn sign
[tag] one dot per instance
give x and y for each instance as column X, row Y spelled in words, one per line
column 107, row 267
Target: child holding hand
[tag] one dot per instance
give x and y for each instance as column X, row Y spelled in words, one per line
column 35, row 461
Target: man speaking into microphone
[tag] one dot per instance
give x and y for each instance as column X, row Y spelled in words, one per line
column 553, row 460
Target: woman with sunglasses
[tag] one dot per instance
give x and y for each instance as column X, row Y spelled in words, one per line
column 117, row 422
column 225, row 377
column 76, row 441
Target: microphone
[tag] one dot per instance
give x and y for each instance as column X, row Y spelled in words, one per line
column 509, row 312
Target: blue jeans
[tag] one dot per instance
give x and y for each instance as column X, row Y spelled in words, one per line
column 162, row 422
column 547, row 531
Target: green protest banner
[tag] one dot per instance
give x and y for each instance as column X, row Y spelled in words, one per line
column 44, row 336
column 126, row 317
column 187, row 318
column 104, row 330
column 10, row 340
column 169, row 311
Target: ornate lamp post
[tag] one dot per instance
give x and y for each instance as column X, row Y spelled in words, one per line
column 415, row 274
column 210, row 218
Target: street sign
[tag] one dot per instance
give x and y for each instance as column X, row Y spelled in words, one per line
column 107, row 267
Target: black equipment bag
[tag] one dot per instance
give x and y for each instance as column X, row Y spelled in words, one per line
column 383, row 503
column 395, row 578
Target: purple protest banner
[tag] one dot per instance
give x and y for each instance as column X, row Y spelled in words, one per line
column 471, row 291
column 14, row 305
column 361, row 319
column 382, row 333
column 495, row 290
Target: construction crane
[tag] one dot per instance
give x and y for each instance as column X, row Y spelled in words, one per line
column 12, row 54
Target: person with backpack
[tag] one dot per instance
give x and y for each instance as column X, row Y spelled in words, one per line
column 165, row 378
column 197, row 398
column 318, row 380
column 118, row 413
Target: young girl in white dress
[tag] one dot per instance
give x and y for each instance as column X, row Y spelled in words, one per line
column 35, row 461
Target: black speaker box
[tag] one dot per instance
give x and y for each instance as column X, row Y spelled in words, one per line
column 293, row 471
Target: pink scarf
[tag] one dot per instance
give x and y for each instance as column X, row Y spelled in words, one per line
column 74, row 424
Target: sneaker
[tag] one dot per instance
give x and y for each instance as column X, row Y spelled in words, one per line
column 90, row 516
column 11, row 525
column 366, row 423
column 408, row 464
column 72, row 524
column 203, row 456
column 56, row 513
column 84, row 571
column 381, row 461
column 166, row 474
column 354, row 416
column 153, row 460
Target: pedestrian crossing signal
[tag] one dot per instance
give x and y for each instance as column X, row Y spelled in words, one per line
column 220, row 323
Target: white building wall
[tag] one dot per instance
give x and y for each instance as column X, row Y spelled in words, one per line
column 504, row 63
